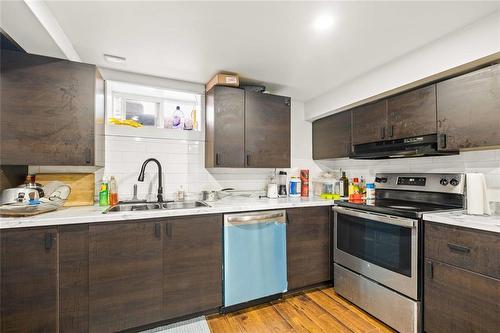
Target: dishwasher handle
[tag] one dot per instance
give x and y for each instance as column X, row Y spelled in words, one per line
column 261, row 217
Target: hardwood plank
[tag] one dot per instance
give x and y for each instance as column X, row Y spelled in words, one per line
column 338, row 310
column 316, row 313
column 319, row 310
column 299, row 321
column 380, row 326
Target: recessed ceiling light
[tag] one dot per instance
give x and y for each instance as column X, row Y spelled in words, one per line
column 323, row 22
column 114, row 59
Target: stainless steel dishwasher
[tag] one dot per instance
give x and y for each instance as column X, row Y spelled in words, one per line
column 254, row 256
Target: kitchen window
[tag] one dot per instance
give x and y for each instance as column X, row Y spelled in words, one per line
column 134, row 109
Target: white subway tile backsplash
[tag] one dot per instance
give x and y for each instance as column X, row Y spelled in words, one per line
column 486, row 162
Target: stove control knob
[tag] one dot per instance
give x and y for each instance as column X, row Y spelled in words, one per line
column 443, row 181
column 454, row 182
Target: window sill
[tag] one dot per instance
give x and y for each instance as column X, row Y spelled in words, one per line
column 154, row 133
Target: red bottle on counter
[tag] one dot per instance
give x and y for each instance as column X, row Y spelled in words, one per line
column 304, row 180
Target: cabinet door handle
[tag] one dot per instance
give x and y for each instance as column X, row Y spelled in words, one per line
column 458, row 248
column 247, row 160
column 169, row 230
column 429, row 269
column 217, row 159
column 392, row 131
column 87, row 156
column 442, row 141
column 48, row 240
column 158, row 230
column 382, row 132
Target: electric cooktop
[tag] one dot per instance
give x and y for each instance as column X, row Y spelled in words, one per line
column 396, row 207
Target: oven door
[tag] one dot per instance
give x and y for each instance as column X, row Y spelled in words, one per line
column 381, row 247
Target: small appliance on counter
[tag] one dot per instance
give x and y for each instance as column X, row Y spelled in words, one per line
column 282, row 178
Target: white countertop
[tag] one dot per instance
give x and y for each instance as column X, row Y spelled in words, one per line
column 461, row 219
column 93, row 214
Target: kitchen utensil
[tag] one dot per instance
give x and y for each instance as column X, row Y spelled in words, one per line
column 18, row 194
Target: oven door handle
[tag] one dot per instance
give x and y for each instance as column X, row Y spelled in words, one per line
column 388, row 219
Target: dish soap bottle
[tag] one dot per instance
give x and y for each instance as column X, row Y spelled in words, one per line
column 104, row 193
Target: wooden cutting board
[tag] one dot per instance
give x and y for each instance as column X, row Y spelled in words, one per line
column 82, row 186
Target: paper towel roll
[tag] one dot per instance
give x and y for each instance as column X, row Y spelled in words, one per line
column 477, row 196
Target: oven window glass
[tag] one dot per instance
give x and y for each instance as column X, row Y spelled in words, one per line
column 382, row 244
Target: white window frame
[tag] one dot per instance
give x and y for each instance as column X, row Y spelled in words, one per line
column 150, row 131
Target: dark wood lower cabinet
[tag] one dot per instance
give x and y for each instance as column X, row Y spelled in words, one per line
column 308, row 246
column 192, row 257
column 125, row 275
column 457, row 300
column 28, row 280
column 74, row 278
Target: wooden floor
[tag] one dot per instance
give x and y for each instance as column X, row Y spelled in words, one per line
column 317, row 310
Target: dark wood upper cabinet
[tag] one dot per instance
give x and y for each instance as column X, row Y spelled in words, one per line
column 52, row 111
column 369, row 123
column 412, row 113
column 332, row 136
column 125, row 275
column 246, row 129
column 225, row 127
column 468, row 110
column 267, row 130
column 192, row 261
column 308, row 246
column 28, row 280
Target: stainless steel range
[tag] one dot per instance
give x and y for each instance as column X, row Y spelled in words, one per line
column 378, row 246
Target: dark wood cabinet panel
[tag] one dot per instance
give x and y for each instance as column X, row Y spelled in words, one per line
column 246, row 129
column 412, row 113
column 192, row 257
column 308, row 246
column 457, row 300
column 267, row 130
column 475, row 250
column 369, row 123
column 74, row 278
column 332, row 136
column 225, row 127
column 51, row 111
column 28, row 280
column 468, row 110
column 125, row 275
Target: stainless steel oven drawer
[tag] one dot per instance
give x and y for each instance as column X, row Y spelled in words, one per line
column 394, row 309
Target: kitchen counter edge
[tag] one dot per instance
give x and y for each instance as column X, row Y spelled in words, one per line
column 94, row 214
column 461, row 219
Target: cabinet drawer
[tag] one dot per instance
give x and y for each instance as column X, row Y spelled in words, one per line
column 474, row 250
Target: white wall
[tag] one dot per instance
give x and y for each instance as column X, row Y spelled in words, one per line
column 183, row 162
column 470, row 43
column 487, row 162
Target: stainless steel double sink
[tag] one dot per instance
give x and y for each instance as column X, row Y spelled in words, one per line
column 128, row 207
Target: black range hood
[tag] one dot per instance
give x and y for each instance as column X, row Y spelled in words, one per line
column 426, row 145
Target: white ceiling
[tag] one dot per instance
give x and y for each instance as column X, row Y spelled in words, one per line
column 271, row 42
column 19, row 22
